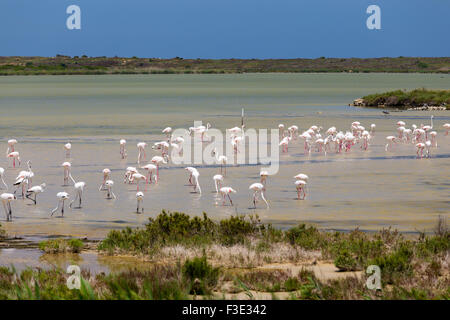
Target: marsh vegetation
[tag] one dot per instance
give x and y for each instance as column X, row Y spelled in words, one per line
column 240, row 257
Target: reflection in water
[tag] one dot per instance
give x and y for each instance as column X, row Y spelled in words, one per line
column 22, row 259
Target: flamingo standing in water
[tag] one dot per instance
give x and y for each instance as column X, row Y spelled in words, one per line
column 428, row 128
column 218, row 180
column 365, row 139
column 258, row 188
column 106, row 176
column 225, row 191
column 24, row 178
column 420, row 147
column 2, row 174
column 14, row 155
column 62, row 197
column 195, row 175
column 6, row 200
column 447, row 128
column 11, row 144
column 157, row 160
column 129, row 173
column 68, row 147
column 428, row 149
column 140, row 200
column 141, row 151
column 300, row 185
column 190, row 170
column 122, row 150
column 390, row 142
column 167, row 131
column 433, row 135
column 109, row 193
column 35, row 190
column 372, row 129
column 222, row 160
column 151, row 169
column 66, row 165
column 138, row 177
column 79, row 188
column 293, row 132
column 284, row 143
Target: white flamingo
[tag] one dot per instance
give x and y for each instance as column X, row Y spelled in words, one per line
column 300, row 186
column 222, row 160
column 129, row 173
column 151, row 169
column 258, row 188
column 79, row 188
column 140, row 201
column 11, row 144
column 447, row 128
column 141, row 151
column 195, row 175
column 6, row 200
column 66, row 165
column 68, row 147
column 218, row 180
column 106, row 175
column 122, row 150
column 225, row 191
column 109, row 193
column 157, row 160
column 138, row 177
column 14, row 155
column 62, row 197
column 390, row 142
column 35, row 190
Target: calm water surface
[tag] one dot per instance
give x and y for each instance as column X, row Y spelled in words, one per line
column 370, row 190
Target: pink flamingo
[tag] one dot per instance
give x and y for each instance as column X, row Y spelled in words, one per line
column 447, row 128
column 141, row 151
column 14, row 155
column 151, row 169
column 157, row 160
column 390, row 142
column 66, row 165
column 106, row 176
column 138, row 177
column 300, row 186
column 225, row 191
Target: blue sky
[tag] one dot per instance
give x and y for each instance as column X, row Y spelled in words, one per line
column 225, row 28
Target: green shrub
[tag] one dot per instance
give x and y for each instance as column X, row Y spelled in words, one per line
column 61, row 245
column 306, row 237
column 344, row 261
column 201, row 275
column 396, row 264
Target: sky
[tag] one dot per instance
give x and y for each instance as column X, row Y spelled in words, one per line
column 217, row 29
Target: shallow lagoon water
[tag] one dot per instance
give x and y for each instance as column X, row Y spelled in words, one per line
column 369, row 190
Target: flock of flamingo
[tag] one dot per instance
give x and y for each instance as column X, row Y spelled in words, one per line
column 423, row 137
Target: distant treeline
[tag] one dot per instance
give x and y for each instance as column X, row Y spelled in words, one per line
column 60, row 65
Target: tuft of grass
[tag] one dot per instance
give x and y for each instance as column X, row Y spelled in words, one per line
column 61, row 245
